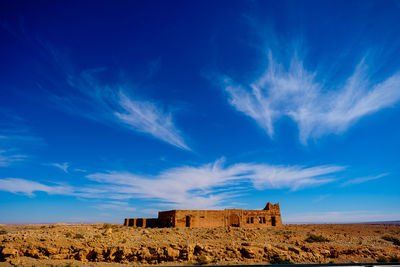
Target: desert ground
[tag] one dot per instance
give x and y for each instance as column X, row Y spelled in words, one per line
column 106, row 245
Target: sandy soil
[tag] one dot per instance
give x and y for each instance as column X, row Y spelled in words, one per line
column 98, row 245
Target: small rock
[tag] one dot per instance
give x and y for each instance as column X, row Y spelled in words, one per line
column 172, row 253
column 59, row 256
column 15, row 261
column 197, row 249
column 295, row 250
column 248, row 252
column 267, row 247
column 203, row 259
column 144, row 254
column 7, row 252
column 81, row 255
column 326, row 252
column 108, row 231
column 334, row 254
column 34, row 253
column 51, row 250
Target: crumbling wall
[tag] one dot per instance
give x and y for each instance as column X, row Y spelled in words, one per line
column 199, row 218
column 268, row 217
column 152, row 222
column 141, row 222
column 261, row 218
column 166, row 218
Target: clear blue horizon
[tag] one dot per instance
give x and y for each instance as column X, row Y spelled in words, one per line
column 115, row 110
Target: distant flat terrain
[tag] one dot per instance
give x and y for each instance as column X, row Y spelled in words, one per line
column 104, row 244
column 383, row 222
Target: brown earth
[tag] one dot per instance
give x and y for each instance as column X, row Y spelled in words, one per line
column 98, row 244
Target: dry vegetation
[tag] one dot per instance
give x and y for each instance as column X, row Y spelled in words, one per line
column 98, row 244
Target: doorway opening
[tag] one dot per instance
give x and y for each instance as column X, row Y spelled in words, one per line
column 234, row 220
column 273, row 221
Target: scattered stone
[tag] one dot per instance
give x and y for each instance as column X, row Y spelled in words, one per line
column 108, row 231
column 295, row 250
column 9, row 252
column 29, row 245
column 248, row 252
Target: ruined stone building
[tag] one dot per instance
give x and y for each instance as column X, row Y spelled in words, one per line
column 267, row 217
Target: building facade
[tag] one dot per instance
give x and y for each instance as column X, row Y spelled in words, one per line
column 268, row 217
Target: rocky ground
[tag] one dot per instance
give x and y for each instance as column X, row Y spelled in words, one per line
column 104, row 244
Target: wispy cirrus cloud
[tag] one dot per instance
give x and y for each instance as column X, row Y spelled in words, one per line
column 209, row 186
column 148, row 118
column 27, row 187
column 15, row 139
column 318, row 107
column 62, row 166
column 7, row 158
column 82, row 93
column 79, row 170
column 115, row 205
column 10, row 146
column 65, row 167
column 363, row 179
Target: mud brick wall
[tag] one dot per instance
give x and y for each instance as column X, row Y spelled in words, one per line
column 199, row 218
column 152, row 222
column 166, row 218
column 270, row 216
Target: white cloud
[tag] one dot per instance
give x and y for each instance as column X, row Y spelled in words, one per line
column 7, row 158
column 83, row 94
column 265, row 176
column 322, row 197
column 62, row 166
column 13, row 140
column 147, row 118
column 363, row 179
column 79, row 170
column 317, row 107
column 115, row 205
column 27, row 187
column 210, row 185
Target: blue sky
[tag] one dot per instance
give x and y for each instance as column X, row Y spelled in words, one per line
column 114, row 110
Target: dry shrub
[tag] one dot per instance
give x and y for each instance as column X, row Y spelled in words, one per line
column 316, row 238
column 79, row 236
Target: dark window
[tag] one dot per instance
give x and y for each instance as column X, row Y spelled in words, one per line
column 259, row 220
column 187, row 221
column 263, row 219
column 248, row 220
column 202, row 217
column 251, row 220
column 273, row 221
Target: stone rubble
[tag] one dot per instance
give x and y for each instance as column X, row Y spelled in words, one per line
column 80, row 244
